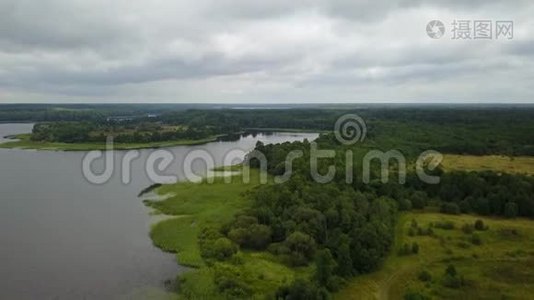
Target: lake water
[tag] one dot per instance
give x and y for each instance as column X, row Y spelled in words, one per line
column 62, row 237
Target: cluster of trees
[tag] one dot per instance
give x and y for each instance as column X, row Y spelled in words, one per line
column 341, row 231
column 127, row 132
column 485, row 193
column 158, row 135
column 66, row 132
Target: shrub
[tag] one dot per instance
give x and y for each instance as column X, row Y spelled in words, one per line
column 450, row 208
column 301, row 289
column 405, row 204
column 479, row 225
column 415, row 248
column 447, row 225
column 405, row 250
column 451, row 271
column 465, row 207
column 224, row 248
column 425, row 276
column 419, row 200
column 302, row 247
column 255, row 236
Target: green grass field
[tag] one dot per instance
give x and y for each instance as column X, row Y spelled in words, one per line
column 196, row 205
column 502, row 267
column 512, row 165
column 23, row 142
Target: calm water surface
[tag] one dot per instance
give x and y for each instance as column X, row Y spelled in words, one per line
column 62, row 237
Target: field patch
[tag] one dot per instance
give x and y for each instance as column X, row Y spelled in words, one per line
column 497, row 163
column 496, row 262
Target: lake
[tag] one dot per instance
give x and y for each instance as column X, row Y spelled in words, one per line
column 65, row 238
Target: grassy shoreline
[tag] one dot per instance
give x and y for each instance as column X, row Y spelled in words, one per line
column 199, row 205
column 23, row 142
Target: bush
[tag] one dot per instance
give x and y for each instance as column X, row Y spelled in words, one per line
column 255, row 236
column 479, row 225
column 450, row 208
column 465, row 207
column 415, row 248
column 301, row 289
column 224, row 248
column 405, row 250
column 302, row 247
column 451, row 271
column 405, row 204
column 419, row 200
column 425, row 276
column 447, row 225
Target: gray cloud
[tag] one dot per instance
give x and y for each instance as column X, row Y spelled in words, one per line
column 240, row 50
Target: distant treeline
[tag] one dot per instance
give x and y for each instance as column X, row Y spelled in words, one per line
column 478, row 131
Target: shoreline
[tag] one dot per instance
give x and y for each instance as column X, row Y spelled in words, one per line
column 22, row 142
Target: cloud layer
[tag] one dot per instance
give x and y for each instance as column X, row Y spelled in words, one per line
column 260, row 51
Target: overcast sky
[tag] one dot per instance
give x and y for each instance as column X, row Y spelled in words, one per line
column 275, row 51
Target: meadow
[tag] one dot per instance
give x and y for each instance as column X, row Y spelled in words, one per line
column 498, row 264
column 499, row 163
